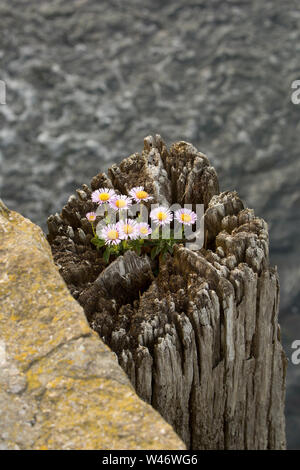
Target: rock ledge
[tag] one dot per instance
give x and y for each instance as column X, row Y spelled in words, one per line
column 60, row 386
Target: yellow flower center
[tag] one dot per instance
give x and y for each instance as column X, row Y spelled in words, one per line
column 92, row 217
column 104, row 196
column 113, row 234
column 120, row 203
column 141, row 194
column 161, row 216
column 186, row 217
column 128, row 229
column 143, row 230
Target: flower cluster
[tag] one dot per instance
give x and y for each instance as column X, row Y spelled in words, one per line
column 133, row 234
column 120, row 202
column 128, row 229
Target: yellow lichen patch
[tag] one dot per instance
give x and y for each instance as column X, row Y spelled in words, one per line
column 107, row 420
column 32, row 381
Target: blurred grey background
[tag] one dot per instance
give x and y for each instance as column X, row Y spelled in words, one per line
column 87, row 80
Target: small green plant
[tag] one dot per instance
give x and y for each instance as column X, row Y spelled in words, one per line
column 133, row 234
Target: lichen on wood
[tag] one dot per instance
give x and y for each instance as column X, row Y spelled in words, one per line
column 200, row 339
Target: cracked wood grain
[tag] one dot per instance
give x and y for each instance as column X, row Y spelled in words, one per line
column 200, row 341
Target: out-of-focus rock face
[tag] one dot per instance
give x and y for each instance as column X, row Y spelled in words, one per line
column 200, row 340
column 87, row 79
column 60, row 386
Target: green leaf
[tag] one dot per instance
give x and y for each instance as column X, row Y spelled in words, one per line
column 98, row 242
column 106, row 254
column 155, row 251
column 170, row 249
column 124, row 245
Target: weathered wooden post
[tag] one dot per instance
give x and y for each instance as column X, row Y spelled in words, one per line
column 200, row 341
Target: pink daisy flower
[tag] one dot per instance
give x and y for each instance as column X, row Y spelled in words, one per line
column 120, row 202
column 186, row 216
column 111, row 234
column 102, row 196
column 91, row 216
column 139, row 194
column 128, row 229
column 161, row 215
column 144, row 229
